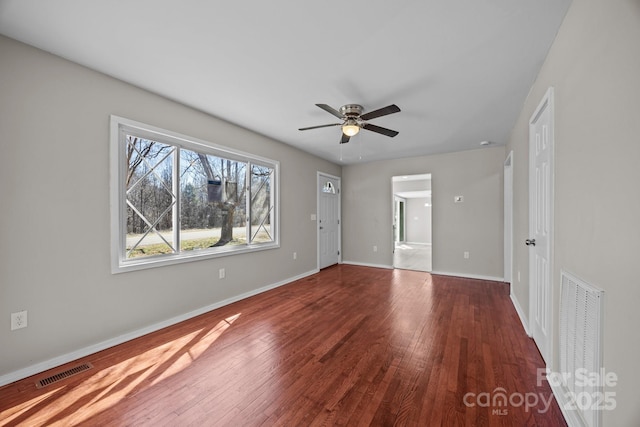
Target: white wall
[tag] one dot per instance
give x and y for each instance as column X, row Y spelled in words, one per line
column 418, row 226
column 594, row 66
column 474, row 226
column 54, row 213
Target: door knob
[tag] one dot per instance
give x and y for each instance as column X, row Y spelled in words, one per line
column 530, row 242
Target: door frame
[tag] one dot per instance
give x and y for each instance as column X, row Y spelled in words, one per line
column 508, row 219
column 427, row 176
column 319, row 176
column 546, row 102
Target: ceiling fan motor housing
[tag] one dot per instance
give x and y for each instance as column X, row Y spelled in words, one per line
column 351, row 110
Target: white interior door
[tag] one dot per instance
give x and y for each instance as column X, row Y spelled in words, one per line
column 541, row 225
column 328, row 220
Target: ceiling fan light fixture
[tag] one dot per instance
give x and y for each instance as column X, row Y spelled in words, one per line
column 350, row 128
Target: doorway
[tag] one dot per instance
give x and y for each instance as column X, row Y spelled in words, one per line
column 541, row 142
column 329, row 235
column 412, row 225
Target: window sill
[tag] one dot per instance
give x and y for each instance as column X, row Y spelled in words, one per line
column 163, row 260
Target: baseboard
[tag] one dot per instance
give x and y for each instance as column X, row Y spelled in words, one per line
column 520, row 312
column 366, row 264
column 469, row 276
column 86, row 351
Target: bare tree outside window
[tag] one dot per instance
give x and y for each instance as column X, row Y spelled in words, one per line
column 231, row 209
column 149, row 196
column 203, row 222
column 178, row 199
column 261, row 203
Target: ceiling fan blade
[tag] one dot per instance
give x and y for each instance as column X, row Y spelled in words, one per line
column 378, row 129
column 344, row 139
column 331, row 110
column 389, row 109
column 321, row 126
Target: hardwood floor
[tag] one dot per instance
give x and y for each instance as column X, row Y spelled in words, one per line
column 348, row 346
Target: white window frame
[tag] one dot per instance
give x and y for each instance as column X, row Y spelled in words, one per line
column 120, row 127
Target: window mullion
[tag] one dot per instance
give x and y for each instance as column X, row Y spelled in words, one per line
column 272, row 204
column 122, row 193
column 176, row 194
column 247, row 200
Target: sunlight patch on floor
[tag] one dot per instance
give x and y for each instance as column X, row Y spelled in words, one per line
column 16, row 411
column 109, row 386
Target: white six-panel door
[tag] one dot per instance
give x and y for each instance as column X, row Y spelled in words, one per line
column 541, row 225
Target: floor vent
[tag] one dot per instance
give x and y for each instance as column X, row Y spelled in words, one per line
column 62, row 375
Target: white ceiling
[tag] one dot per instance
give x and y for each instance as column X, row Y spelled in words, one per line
column 459, row 69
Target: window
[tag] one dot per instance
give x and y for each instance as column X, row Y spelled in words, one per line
column 328, row 188
column 177, row 199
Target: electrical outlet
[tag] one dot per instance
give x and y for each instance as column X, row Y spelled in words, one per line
column 466, row 254
column 295, row 255
column 518, row 275
column 18, row 320
column 375, row 249
column 221, row 273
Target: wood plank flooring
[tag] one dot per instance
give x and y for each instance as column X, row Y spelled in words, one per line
column 349, row 346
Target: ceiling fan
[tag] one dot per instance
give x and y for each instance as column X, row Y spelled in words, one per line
column 353, row 120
